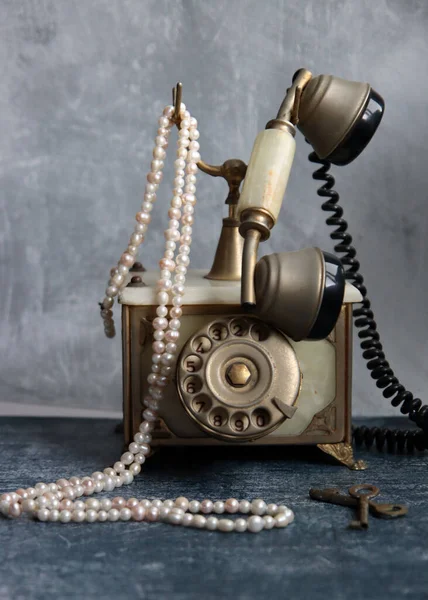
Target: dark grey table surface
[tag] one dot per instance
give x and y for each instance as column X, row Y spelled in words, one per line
column 316, row 557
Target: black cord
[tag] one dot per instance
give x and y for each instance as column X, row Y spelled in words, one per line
column 373, row 353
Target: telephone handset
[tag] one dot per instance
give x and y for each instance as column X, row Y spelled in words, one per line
column 265, row 351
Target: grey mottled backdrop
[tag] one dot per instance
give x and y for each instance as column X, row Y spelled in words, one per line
column 81, row 84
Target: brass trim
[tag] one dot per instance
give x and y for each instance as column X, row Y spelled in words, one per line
column 344, row 454
column 227, row 265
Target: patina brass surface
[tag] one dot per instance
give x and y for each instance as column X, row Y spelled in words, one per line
column 330, row 428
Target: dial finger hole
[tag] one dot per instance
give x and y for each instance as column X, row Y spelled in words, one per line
column 259, row 332
column 218, row 332
column 192, row 363
column 218, row 417
column 239, row 327
column 192, row 385
column 239, row 422
column 260, row 418
column 201, row 404
column 201, row 344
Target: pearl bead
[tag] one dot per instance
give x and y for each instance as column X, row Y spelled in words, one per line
column 161, row 141
column 207, row 506
column 199, row 521
column 269, row 522
column 142, row 217
column 211, row 523
column 194, row 145
column 231, row 505
column 127, row 478
column 172, row 336
column 152, row 514
column 175, row 518
column 138, row 513
column 244, row 507
column 146, row 207
column 140, row 228
column 281, row 520
column 119, row 467
column 176, row 312
column 258, row 507
column 255, row 524
column 157, row 165
column 127, row 259
column 159, row 323
column 180, row 164
column 29, row 505
column 225, row 525
column 43, row 514
column 194, row 134
column 193, row 156
column 109, row 484
column 125, row 514
column 145, row 449
column 168, row 111
column 159, row 153
column 113, row 514
column 240, row 525
column 164, row 120
column 140, row 458
column 187, row 520
column 135, row 468
column 162, row 297
column 182, row 502
column 219, row 507
column 194, row 506
column 78, row 516
column 65, row 516
column 174, row 324
column 154, row 177
column 102, row 516
column 91, row 516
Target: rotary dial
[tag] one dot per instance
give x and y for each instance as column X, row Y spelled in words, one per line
column 238, row 378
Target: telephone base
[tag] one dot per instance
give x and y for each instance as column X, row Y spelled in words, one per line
column 343, row 453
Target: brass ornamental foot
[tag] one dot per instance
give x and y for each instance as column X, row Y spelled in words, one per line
column 344, row 454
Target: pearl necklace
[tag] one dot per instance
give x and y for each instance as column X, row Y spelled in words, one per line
column 57, row 501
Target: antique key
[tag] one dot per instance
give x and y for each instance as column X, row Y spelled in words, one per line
column 355, row 499
column 363, row 493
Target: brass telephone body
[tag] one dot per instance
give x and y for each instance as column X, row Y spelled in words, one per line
column 322, row 402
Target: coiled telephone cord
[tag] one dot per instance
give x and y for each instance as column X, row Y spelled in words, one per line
column 379, row 367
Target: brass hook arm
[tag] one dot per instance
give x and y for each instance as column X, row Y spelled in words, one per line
column 232, row 170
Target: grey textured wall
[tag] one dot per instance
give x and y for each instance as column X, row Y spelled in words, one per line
column 81, row 83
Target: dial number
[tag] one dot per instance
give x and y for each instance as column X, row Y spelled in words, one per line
column 192, row 363
column 201, row 404
column 218, row 332
column 240, row 422
column 239, row 327
column 192, row 385
column 201, row 344
column 260, row 332
column 260, row 418
column 218, row 417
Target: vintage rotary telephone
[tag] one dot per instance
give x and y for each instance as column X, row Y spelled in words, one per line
column 266, row 346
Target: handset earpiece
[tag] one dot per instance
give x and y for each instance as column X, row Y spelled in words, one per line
column 300, row 293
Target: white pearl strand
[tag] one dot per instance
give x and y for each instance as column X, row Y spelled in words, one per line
column 58, row 501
